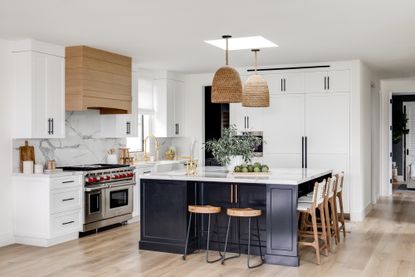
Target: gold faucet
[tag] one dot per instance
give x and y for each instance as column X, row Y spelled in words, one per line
column 156, row 146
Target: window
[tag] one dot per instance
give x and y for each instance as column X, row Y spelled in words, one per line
column 136, row 144
column 145, row 110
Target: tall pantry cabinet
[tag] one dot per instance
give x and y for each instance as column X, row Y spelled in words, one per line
column 39, row 90
column 308, row 122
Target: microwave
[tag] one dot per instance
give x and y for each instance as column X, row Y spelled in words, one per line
column 258, row 151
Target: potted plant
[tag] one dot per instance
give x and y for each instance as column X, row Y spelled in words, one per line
column 231, row 149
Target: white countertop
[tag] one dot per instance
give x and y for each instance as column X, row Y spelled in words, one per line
column 48, row 175
column 280, row 176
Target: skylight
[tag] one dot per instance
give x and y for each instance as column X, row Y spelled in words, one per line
column 243, row 43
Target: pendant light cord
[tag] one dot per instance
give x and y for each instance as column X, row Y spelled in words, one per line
column 226, row 37
column 255, row 58
column 227, row 55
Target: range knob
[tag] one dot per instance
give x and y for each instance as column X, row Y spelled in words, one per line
column 108, row 177
column 101, row 178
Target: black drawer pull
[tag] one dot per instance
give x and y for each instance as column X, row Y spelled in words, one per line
column 67, row 182
column 69, row 222
column 68, row 199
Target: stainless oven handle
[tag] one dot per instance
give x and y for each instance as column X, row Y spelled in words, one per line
column 95, row 189
column 122, row 184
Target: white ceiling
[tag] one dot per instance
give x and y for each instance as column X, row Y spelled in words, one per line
column 170, row 34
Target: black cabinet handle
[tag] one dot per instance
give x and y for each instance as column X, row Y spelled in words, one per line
column 302, row 152
column 325, row 80
column 285, row 84
column 67, row 182
column 244, row 122
column 177, row 128
column 247, row 120
column 68, row 199
column 305, row 151
column 49, row 126
column 69, row 222
column 128, row 126
column 282, row 86
column 53, row 127
column 328, row 82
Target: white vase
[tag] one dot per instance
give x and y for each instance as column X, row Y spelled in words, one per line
column 235, row 160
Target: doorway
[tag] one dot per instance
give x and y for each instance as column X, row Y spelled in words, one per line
column 403, row 140
column 216, row 119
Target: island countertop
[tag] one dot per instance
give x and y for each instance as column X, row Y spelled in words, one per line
column 281, row 176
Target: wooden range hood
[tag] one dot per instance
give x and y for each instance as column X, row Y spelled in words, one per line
column 97, row 79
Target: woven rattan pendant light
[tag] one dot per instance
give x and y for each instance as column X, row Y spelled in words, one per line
column 256, row 92
column 226, row 85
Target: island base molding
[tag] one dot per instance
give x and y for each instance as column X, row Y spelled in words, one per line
column 282, row 260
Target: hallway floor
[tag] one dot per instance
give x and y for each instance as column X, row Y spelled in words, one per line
column 382, row 245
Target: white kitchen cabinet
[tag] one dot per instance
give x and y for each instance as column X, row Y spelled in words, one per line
column 246, row 118
column 48, row 208
column 327, row 123
column 39, row 90
column 337, row 162
column 283, row 124
column 119, row 126
column 327, row 81
column 169, row 108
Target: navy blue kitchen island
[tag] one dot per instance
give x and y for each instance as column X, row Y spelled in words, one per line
column 164, row 218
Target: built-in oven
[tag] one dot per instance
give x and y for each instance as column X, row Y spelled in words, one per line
column 119, row 199
column 258, row 151
column 94, row 204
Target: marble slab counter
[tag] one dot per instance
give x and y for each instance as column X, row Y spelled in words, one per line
column 58, row 174
column 280, row 176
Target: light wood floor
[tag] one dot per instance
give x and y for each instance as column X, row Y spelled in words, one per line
column 382, row 245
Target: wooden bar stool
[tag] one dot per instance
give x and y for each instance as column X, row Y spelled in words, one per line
column 309, row 209
column 244, row 213
column 202, row 209
column 329, row 211
column 341, row 226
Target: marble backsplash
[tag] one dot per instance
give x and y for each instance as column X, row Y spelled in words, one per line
column 82, row 144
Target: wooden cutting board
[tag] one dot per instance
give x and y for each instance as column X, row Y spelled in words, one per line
column 27, row 153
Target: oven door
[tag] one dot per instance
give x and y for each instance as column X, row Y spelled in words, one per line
column 94, row 204
column 119, row 199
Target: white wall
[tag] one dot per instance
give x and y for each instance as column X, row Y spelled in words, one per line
column 388, row 86
column 195, row 113
column 368, row 165
column 6, row 212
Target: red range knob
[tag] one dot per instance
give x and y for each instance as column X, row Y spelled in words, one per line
column 108, row 177
column 131, row 174
column 101, row 178
column 95, row 179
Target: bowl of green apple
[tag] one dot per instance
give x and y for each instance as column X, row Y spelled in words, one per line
column 251, row 169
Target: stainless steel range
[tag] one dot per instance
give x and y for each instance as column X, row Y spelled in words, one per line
column 108, row 194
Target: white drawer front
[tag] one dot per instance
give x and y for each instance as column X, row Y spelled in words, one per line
column 66, row 223
column 65, row 182
column 66, row 200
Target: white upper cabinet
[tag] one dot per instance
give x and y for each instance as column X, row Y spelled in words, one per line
column 246, row 118
column 327, row 81
column 169, row 108
column 327, row 123
column 283, row 124
column 39, row 90
column 119, row 126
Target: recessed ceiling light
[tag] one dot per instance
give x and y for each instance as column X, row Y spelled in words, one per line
column 243, row 43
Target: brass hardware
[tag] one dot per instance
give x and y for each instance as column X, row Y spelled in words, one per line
column 231, row 193
column 191, row 167
column 156, row 146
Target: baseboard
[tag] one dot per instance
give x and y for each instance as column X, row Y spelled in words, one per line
column 360, row 215
column 6, row 239
column 42, row 242
column 134, row 219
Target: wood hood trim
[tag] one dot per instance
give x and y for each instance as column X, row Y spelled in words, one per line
column 97, row 79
